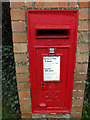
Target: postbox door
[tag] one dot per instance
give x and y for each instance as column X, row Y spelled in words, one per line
column 51, row 78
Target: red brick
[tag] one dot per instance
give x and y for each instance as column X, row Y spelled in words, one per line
column 63, row 4
column 22, row 77
column 26, row 115
column 84, row 4
column 76, row 115
column 19, row 37
column 79, row 86
column 76, row 109
column 19, row 48
column 84, row 25
column 29, row 3
column 54, row 4
column 77, row 102
column 83, row 14
column 25, row 105
column 78, row 94
column 81, row 67
column 83, row 36
column 24, row 94
column 17, row 4
column 80, row 77
column 82, row 48
column 23, row 86
column 21, row 69
column 18, row 26
column 17, row 15
column 51, row 5
column 89, row 46
column 82, row 58
column 20, row 58
column 72, row 3
column 39, row 4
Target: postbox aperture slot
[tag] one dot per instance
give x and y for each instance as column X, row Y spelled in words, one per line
column 52, row 33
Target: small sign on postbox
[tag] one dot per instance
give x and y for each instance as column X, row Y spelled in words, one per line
column 51, row 68
column 52, row 38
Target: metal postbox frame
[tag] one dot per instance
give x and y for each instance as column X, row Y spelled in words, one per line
column 34, row 51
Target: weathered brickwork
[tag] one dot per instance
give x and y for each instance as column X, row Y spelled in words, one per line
column 20, row 46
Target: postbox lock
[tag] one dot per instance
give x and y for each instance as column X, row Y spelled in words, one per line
column 51, row 50
column 42, row 85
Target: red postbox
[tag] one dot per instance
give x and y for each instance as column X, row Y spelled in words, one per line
column 52, row 37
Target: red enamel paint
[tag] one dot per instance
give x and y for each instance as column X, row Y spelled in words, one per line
column 52, row 38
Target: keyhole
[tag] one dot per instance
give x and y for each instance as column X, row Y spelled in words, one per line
column 42, row 85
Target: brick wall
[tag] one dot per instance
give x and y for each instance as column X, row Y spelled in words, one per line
column 20, row 43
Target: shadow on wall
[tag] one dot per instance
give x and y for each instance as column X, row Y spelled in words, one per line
column 10, row 101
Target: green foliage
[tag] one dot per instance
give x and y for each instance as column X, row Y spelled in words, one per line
column 86, row 111
column 6, row 24
column 6, row 115
column 10, row 108
column 86, row 106
column 9, row 86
